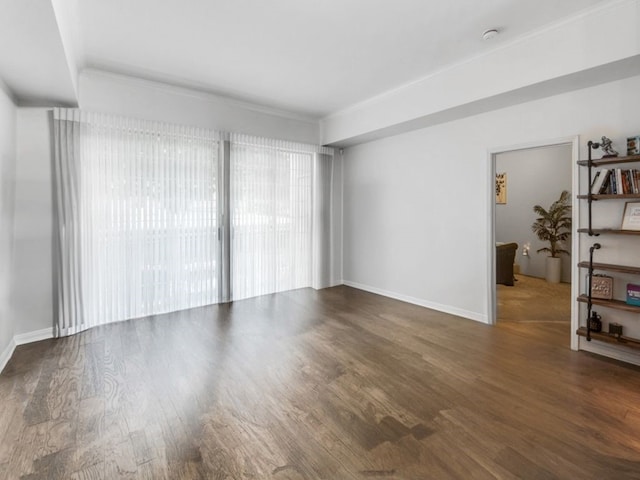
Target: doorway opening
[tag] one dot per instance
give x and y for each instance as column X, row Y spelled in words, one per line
column 522, row 294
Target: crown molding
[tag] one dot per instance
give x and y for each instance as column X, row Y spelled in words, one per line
column 194, row 92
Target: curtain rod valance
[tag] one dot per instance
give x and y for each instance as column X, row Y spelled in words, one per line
column 275, row 144
column 134, row 125
column 155, row 127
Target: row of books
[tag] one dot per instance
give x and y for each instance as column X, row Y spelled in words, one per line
column 616, row 181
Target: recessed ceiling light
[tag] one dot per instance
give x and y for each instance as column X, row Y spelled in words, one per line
column 489, row 34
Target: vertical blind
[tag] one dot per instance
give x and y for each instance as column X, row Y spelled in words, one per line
column 271, row 216
column 138, row 233
column 139, row 207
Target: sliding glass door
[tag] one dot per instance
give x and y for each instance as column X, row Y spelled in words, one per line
column 271, row 217
column 151, row 221
column 154, row 218
column 137, row 218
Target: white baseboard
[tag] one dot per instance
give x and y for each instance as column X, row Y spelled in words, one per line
column 35, row 336
column 6, row 354
column 21, row 339
column 423, row 303
column 606, row 350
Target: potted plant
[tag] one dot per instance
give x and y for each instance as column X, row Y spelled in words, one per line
column 554, row 226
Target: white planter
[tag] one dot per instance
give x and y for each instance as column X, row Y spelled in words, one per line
column 554, row 269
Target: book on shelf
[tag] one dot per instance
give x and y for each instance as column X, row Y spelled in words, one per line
column 628, row 184
column 633, row 294
column 616, row 181
column 625, row 182
column 619, row 184
column 601, row 175
column 613, row 182
column 606, row 184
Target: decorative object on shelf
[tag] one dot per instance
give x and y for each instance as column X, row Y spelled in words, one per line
column 633, row 294
column 607, row 148
column 602, row 287
column 501, row 188
column 615, row 329
column 554, row 226
column 631, row 216
column 633, row 145
column 595, row 322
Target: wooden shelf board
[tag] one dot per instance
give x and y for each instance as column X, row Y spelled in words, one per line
column 611, row 268
column 605, row 337
column 610, row 196
column 617, row 304
column 610, row 161
column 599, row 231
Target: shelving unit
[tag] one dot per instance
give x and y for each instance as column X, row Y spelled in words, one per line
column 607, row 267
column 601, row 162
column 606, row 337
column 592, row 266
column 600, row 231
column 610, row 196
column 617, row 304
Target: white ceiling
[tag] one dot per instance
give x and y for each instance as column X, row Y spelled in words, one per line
column 305, row 56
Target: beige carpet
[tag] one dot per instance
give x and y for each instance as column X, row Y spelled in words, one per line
column 533, row 300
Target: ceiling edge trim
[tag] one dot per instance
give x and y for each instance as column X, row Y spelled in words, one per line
column 198, row 93
column 452, row 66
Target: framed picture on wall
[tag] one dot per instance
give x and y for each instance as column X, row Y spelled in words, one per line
column 631, row 217
column 501, row 188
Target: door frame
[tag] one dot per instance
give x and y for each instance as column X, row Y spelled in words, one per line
column 574, row 141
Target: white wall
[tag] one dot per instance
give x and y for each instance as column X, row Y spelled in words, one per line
column 416, row 205
column 535, row 176
column 7, row 183
column 32, row 294
column 120, row 95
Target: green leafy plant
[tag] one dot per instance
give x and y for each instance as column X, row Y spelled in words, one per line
column 554, row 225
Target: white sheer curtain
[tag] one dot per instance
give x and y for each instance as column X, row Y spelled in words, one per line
column 137, row 206
column 277, row 229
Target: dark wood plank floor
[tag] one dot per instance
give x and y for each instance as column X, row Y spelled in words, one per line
column 332, row 384
column 534, row 308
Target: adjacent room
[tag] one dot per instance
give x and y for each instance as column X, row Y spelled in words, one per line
column 319, row 240
column 533, row 238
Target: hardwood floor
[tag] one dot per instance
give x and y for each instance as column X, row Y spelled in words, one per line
column 534, row 308
column 533, row 300
column 332, row 384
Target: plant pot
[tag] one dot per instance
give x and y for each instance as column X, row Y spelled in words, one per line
column 554, row 269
